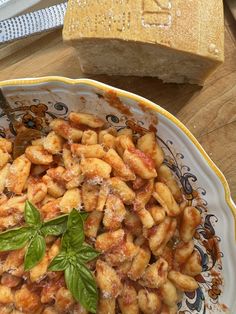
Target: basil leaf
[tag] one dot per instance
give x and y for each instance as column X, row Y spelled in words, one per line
column 55, row 226
column 86, row 253
column 59, row 262
column 35, row 251
column 15, row 239
column 74, row 236
column 65, row 242
column 84, row 215
column 32, row 215
column 75, row 221
column 82, row 285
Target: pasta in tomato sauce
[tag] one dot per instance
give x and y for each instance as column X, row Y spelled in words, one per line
column 137, row 219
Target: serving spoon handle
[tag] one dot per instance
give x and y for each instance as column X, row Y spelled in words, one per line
column 6, row 108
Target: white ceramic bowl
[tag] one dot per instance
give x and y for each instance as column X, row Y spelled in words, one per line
column 37, row 101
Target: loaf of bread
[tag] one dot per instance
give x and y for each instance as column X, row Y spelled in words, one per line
column 175, row 40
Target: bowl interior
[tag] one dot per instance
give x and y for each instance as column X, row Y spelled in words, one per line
column 36, row 103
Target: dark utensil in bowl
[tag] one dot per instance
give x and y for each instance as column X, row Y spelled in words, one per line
column 24, row 135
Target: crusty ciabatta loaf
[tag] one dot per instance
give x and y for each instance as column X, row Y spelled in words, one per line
column 175, row 40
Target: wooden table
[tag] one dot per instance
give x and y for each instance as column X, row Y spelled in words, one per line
column 209, row 112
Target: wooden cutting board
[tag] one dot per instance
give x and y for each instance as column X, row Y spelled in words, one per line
column 209, row 112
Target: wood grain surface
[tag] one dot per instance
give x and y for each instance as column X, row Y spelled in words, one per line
column 209, row 112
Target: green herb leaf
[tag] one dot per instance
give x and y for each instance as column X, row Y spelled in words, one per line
column 74, row 253
column 56, row 226
column 15, row 239
column 87, row 253
column 35, row 251
column 74, row 236
column 84, row 215
column 82, row 285
column 32, row 215
column 59, row 263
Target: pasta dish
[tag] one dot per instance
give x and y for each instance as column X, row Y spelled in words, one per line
column 93, row 221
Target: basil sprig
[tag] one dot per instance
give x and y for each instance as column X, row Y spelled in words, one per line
column 72, row 258
column 73, row 255
column 33, row 234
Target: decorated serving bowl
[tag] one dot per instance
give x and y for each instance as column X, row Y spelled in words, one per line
column 37, row 101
